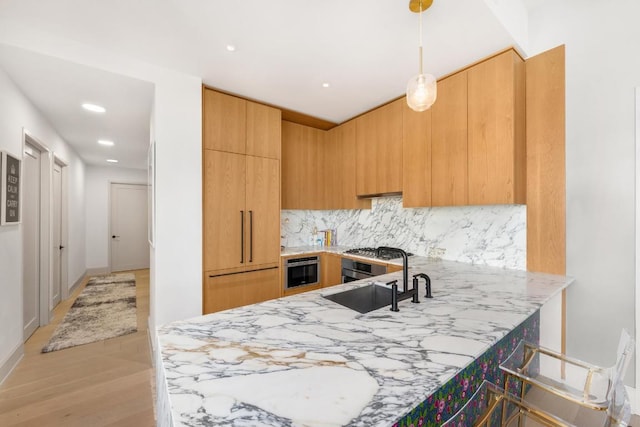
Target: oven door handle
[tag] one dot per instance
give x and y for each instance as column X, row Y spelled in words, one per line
column 357, row 275
column 300, row 264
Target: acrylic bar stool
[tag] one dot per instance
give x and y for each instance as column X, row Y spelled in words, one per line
column 570, row 387
column 490, row 406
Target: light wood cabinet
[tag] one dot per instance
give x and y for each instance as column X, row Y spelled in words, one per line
column 496, row 137
column 224, row 121
column 449, row 143
column 230, row 290
column 241, row 202
column 263, row 210
column 331, row 268
column 546, row 163
column 416, row 157
column 302, row 161
column 339, row 174
column 236, row 125
column 379, row 150
column 224, row 209
column 263, row 130
column 319, row 168
column 393, row 268
column 469, row 148
column 241, row 211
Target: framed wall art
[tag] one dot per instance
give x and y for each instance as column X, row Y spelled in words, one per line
column 11, row 183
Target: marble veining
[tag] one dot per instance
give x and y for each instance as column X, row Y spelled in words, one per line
column 307, row 361
column 487, row 235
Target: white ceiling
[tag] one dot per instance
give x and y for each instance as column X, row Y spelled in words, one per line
column 58, row 89
column 285, row 50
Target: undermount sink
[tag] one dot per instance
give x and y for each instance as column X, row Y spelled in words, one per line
column 364, row 299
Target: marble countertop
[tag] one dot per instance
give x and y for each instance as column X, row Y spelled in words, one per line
column 301, row 250
column 307, row 361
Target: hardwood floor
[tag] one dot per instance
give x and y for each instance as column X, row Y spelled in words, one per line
column 106, row 383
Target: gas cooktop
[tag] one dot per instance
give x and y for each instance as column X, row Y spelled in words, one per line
column 375, row 253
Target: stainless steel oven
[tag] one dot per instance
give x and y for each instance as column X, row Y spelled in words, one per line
column 302, row 272
column 353, row 270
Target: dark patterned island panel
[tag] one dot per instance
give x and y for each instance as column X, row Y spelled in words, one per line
column 452, row 396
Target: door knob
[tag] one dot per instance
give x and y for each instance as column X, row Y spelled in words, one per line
column 114, row 236
column 61, row 247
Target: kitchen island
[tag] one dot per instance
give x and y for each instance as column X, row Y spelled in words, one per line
column 307, row 361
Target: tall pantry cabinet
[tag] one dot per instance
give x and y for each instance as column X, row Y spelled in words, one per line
column 241, row 201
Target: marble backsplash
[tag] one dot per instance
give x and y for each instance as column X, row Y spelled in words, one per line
column 488, row 235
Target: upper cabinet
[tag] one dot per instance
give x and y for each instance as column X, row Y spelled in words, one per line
column 379, row 150
column 469, row 148
column 339, row 169
column 302, row 162
column 449, row 172
column 496, row 136
column 318, row 168
column 263, row 130
column 416, row 157
column 224, row 120
column 236, row 125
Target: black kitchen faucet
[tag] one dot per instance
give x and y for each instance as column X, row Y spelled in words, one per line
column 406, row 293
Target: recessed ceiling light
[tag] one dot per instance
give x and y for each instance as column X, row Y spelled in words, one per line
column 231, row 48
column 106, row 142
column 94, row 108
column 112, row 161
column 325, row 84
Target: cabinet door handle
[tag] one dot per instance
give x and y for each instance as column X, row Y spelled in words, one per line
column 241, row 237
column 250, row 236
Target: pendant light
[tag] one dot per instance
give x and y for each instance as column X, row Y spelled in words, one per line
column 421, row 89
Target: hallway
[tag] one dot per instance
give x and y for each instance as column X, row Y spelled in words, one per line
column 106, row 383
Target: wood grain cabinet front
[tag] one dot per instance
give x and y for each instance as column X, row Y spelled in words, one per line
column 302, row 162
column 340, row 169
column 224, row 210
column 241, row 200
column 449, row 174
column 241, row 218
column 319, row 168
column 224, row 291
column 496, row 121
column 469, row 148
column 379, row 150
column 224, row 122
column 331, row 266
column 236, row 125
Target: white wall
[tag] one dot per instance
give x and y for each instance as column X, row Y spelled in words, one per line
column 76, row 221
column 602, row 70
column 176, row 283
column 16, row 113
column 97, row 185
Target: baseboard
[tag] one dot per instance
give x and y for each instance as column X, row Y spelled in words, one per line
column 97, row 270
column 12, row 361
column 78, row 282
column 152, row 335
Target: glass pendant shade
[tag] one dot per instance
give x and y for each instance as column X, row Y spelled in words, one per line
column 422, row 91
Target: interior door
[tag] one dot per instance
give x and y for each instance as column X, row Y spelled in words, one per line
column 129, row 239
column 31, row 245
column 263, row 210
column 224, row 210
column 56, row 241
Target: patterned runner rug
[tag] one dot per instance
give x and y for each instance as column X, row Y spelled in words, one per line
column 106, row 308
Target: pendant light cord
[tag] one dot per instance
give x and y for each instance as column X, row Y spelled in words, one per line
column 420, row 34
